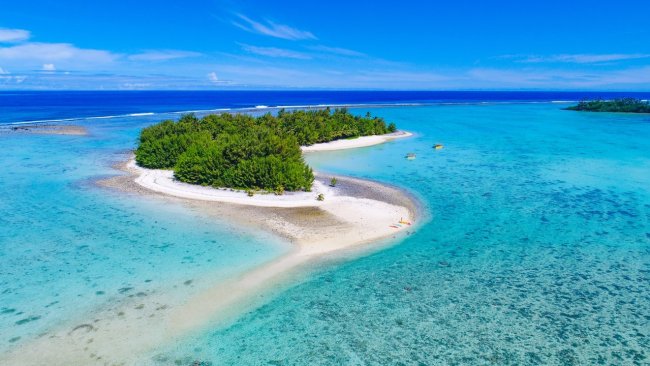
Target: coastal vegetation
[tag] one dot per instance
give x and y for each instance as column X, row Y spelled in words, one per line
column 246, row 152
column 623, row 105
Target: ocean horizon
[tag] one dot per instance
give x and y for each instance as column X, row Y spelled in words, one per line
column 19, row 107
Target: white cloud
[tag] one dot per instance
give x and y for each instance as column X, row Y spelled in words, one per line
column 162, row 55
column 563, row 79
column 14, row 35
column 272, row 29
column 213, row 77
column 135, row 86
column 3, row 72
column 17, row 79
column 47, row 52
column 338, row 51
column 49, row 67
column 577, row 58
column 275, row 52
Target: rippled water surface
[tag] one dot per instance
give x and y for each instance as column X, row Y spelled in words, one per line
column 536, row 251
column 534, row 248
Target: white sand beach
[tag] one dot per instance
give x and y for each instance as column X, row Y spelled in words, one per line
column 371, row 218
column 362, row 141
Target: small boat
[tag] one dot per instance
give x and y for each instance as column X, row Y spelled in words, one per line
column 410, row 156
column 438, row 146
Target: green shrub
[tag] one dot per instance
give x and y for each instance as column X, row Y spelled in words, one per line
column 624, row 105
column 245, row 152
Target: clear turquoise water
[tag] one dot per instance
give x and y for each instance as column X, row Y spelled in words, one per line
column 537, row 252
column 535, row 249
column 67, row 246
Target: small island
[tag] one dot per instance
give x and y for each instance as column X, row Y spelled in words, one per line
column 325, row 217
column 249, row 153
column 622, row 105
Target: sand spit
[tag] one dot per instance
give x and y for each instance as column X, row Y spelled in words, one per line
column 355, row 214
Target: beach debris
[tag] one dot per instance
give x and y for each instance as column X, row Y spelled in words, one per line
column 438, row 146
column 320, row 197
column 402, row 221
column 410, row 156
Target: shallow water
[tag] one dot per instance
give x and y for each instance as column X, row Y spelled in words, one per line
column 68, row 246
column 537, row 251
column 535, row 247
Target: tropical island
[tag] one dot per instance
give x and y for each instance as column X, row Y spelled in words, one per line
column 249, row 153
column 622, row 105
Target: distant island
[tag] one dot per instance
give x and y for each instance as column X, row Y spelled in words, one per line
column 240, row 151
column 623, row 105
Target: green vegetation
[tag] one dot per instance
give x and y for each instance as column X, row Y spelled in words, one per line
column 320, row 197
column 333, row 182
column 245, row 152
column 624, row 105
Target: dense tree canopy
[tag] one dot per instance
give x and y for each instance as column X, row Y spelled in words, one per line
column 246, row 152
column 626, row 105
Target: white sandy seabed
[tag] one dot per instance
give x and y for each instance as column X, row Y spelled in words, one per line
column 111, row 339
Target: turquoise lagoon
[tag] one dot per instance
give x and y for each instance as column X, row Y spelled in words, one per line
column 533, row 247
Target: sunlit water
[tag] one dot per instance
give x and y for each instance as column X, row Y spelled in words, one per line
column 67, row 246
column 535, row 247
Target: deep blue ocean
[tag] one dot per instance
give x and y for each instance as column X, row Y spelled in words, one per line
column 20, row 106
column 533, row 248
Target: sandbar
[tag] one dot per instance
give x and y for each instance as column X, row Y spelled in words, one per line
column 355, row 216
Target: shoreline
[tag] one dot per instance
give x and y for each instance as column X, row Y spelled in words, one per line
column 356, row 217
column 362, row 141
column 353, row 203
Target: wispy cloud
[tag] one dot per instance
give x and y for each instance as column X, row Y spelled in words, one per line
column 272, row 29
column 162, row 55
column 14, row 35
column 275, row 52
column 576, row 58
column 338, row 51
column 47, row 52
column 49, row 67
column 562, row 79
column 6, row 78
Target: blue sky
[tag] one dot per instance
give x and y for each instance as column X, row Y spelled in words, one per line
column 218, row 44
